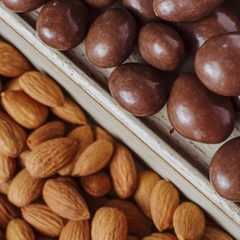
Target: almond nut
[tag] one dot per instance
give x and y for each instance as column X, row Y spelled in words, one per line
column 70, row 112
column 19, row 229
column 43, row 220
column 50, row 156
column 109, row 224
column 123, row 171
column 12, row 62
column 26, row 111
column 94, row 158
column 42, row 88
column 12, row 136
column 24, row 189
column 213, row 233
column 90, row 183
column 142, row 195
column 49, row 130
column 164, row 201
column 189, row 221
column 65, row 200
column 76, row 230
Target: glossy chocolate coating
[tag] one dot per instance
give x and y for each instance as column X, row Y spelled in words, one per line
column 99, row 3
column 63, row 24
column 142, row 10
column 217, row 64
column 195, row 34
column 21, row 6
column 161, row 46
column 224, row 170
column 197, row 113
column 138, row 88
column 184, row 10
column 111, row 38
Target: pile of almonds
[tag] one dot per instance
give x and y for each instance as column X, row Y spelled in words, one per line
column 63, row 177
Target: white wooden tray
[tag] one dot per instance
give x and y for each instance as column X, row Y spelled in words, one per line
column 183, row 162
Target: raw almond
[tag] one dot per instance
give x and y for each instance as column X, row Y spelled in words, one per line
column 50, row 156
column 76, row 230
column 189, row 221
column 213, row 233
column 145, row 184
column 42, row 88
column 7, row 167
column 90, row 183
column 123, row 171
column 23, row 109
column 83, row 135
column 19, row 229
column 49, row 130
column 22, row 158
column 25, row 189
column 164, row 201
column 160, row 236
column 65, row 200
column 43, row 220
column 12, row 62
column 109, row 224
column 12, row 136
column 70, row 112
column 94, row 158
column 7, row 212
column 137, row 221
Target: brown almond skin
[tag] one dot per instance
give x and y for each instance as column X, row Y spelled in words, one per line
column 90, row 183
column 12, row 136
column 160, row 236
column 25, row 110
column 94, row 158
column 13, row 63
column 50, row 130
column 212, row 233
column 163, row 203
column 2, row 235
column 24, row 189
column 70, row 111
column 109, row 224
column 189, row 221
column 19, row 229
column 137, row 222
column 42, row 88
column 123, row 171
column 107, row 43
column 65, row 200
column 50, row 156
column 79, row 230
column 43, row 220
column 142, row 195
